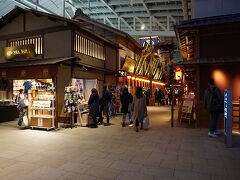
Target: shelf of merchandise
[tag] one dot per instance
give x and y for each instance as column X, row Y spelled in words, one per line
column 43, row 120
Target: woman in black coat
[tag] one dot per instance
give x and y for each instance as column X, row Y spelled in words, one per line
column 93, row 104
column 126, row 100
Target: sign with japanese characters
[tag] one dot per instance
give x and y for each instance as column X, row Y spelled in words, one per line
column 19, row 52
column 228, row 117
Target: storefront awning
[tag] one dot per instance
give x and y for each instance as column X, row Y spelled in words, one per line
column 35, row 62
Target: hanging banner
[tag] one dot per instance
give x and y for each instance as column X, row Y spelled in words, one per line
column 144, row 40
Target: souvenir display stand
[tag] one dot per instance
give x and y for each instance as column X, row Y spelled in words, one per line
column 42, row 105
column 75, row 105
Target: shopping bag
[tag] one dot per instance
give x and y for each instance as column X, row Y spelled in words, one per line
column 25, row 122
column 145, row 122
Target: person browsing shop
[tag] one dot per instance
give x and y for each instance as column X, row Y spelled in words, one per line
column 93, row 104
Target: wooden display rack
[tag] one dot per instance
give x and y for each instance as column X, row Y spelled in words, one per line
column 36, row 114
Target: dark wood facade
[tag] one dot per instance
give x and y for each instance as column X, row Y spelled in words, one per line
column 210, row 49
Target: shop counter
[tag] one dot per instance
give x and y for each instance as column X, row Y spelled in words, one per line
column 8, row 112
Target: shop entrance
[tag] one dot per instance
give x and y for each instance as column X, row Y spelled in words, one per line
column 33, row 99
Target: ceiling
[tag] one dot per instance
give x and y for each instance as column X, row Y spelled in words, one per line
column 139, row 18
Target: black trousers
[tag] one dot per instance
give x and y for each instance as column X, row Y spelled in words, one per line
column 137, row 123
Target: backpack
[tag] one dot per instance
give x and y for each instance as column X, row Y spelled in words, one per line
column 215, row 103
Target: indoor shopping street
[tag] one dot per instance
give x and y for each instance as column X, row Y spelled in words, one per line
column 116, row 152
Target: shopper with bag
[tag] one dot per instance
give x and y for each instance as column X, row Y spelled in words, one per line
column 93, row 104
column 126, row 101
column 139, row 108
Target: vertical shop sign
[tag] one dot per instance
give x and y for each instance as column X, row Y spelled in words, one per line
column 228, row 117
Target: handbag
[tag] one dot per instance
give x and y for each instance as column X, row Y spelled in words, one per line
column 146, row 122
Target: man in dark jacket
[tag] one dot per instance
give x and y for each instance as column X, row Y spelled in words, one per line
column 126, row 100
column 106, row 101
column 93, row 104
column 213, row 101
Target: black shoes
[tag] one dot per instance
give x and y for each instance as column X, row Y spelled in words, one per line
column 94, row 126
column 106, row 124
column 137, row 130
column 123, row 124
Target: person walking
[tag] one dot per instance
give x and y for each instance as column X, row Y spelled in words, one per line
column 139, row 108
column 213, row 101
column 106, row 102
column 126, row 100
column 147, row 94
column 161, row 97
column 156, row 96
column 93, row 104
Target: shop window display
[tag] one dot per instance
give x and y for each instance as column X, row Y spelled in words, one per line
column 76, row 100
column 40, row 95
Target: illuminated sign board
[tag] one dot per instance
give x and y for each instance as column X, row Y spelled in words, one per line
column 144, row 40
column 19, row 52
column 129, row 65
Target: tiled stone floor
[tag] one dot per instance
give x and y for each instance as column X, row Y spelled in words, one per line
column 117, row 153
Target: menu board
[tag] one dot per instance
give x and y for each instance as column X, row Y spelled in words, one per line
column 187, row 103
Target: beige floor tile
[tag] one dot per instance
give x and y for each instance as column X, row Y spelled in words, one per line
column 134, row 176
column 75, row 167
column 76, row 176
column 116, row 152
column 158, row 171
column 50, row 162
column 186, row 174
column 125, row 166
column 106, row 173
column 47, row 173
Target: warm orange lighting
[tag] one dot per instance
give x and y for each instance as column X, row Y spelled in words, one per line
column 137, row 79
column 133, row 78
column 140, row 79
column 178, row 75
column 220, row 79
column 158, row 83
column 129, row 77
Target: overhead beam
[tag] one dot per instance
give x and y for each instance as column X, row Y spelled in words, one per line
column 135, row 9
column 151, row 33
column 70, row 4
column 145, row 6
column 159, row 24
column 115, row 13
column 134, row 14
column 31, row 5
column 106, row 19
column 123, row 2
